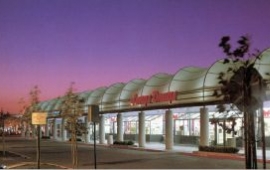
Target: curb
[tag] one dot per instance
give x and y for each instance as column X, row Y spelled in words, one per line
column 239, row 157
column 219, row 155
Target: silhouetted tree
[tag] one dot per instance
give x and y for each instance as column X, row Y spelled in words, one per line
column 243, row 88
column 28, row 109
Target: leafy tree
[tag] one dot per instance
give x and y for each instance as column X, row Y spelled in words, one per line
column 72, row 109
column 243, row 88
column 28, row 109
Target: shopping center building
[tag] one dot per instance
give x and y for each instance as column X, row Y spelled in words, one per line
column 167, row 108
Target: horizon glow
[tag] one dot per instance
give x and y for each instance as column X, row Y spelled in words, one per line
column 101, row 42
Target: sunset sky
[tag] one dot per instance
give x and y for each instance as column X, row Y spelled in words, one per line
column 97, row 43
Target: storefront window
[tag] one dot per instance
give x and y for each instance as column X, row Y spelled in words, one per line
column 187, row 124
column 58, row 129
column 187, row 127
column 154, row 125
column 131, row 127
column 266, row 113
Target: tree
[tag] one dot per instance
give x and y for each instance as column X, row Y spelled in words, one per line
column 243, row 87
column 227, row 123
column 28, row 109
column 3, row 117
column 72, row 109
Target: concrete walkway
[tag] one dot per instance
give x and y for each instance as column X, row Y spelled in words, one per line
column 192, row 148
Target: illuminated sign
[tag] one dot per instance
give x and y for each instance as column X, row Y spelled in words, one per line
column 39, row 118
column 155, row 97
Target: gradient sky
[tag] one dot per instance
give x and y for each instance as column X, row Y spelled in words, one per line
column 97, row 43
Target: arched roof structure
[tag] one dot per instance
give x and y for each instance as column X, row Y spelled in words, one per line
column 132, row 87
column 189, row 84
column 193, row 86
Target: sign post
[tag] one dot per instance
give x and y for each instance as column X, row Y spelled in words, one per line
column 93, row 116
column 39, row 118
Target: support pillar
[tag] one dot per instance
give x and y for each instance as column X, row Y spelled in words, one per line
column 88, row 134
column 169, row 130
column 263, row 137
column 141, row 129
column 204, row 127
column 54, row 129
column 34, row 131
column 47, row 129
column 27, row 130
column 63, row 130
column 101, row 129
column 23, row 131
column 120, row 133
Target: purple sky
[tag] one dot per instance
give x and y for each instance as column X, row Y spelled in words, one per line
column 98, row 43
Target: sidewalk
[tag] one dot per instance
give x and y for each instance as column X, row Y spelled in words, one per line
column 193, row 150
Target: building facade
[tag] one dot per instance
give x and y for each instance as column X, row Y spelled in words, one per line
column 168, row 108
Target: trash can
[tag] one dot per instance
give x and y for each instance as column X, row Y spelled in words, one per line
column 110, row 140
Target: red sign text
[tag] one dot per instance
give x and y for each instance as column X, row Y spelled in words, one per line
column 155, row 97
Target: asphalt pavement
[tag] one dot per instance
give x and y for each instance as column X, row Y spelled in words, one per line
column 56, row 155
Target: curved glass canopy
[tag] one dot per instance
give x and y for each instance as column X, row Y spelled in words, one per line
column 188, row 86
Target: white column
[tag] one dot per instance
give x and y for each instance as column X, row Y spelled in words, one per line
column 141, row 129
column 63, row 130
column 47, row 128
column 23, row 131
column 54, row 129
column 27, row 130
column 169, row 130
column 101, row 129
column 34, row 131
column 204, row 127
column 88, row 134
column 120, row 136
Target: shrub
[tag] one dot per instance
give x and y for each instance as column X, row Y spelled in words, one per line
column 123, row 142
column 45, row 137
column 78, row 139
column 130, row 142
column 220, row 149
column 116, row 143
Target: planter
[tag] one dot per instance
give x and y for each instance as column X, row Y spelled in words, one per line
column 218, row 149
column 45, row 137
column 123, row 142
column 220, row 155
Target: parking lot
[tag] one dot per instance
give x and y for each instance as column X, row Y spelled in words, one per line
column 59, row 154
